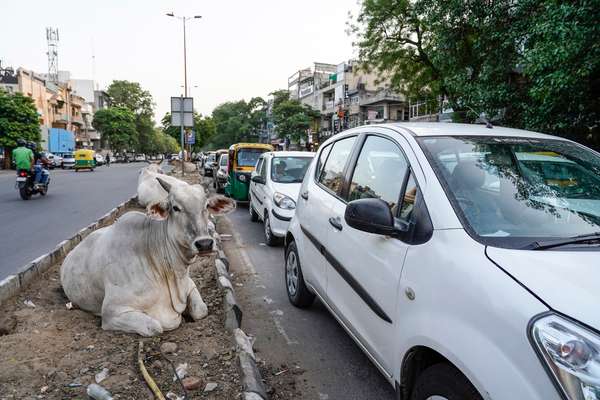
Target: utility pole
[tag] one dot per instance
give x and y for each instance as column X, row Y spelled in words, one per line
column 185, row 91
column 182, row 140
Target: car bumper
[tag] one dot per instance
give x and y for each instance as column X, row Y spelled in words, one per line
column 280, row 221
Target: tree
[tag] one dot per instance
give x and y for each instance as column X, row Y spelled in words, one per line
column 529, row 64
column 238, row 121
column 117, row 124
column 204, row 127
column 130, row 95
column 292, row 118
column 18, row 119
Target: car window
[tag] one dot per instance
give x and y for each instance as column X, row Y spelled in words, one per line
column 332, row 174
column 259, row 165
column 379, row 173
column 263, row 168
column 409, row 199
column 321, row 161
column 289, row 169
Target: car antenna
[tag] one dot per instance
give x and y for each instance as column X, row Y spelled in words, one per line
column 482, row 117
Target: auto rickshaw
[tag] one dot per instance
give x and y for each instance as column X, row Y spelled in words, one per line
column 242, row 161
column 84, row 159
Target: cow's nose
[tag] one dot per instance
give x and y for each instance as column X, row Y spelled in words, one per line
column 204, row 244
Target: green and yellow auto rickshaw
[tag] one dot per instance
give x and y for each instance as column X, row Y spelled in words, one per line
column 242, row 161
column 85, row 159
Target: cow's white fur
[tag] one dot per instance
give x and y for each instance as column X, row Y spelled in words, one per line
column 149, row 190
column 135, row 273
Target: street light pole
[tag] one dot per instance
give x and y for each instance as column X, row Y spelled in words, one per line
column 185, row 90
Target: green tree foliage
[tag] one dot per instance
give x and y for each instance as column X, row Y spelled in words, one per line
column 292, row 118
column 18, row 119
column 132, row 96
column 117, row 124
column 531, row 64
column 238, row 121
column 204, row 127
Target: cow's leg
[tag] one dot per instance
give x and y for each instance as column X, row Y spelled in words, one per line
column 195, row 305
column 128, row 320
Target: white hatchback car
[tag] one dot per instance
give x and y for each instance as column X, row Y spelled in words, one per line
column 274, row 188
column 464, row 261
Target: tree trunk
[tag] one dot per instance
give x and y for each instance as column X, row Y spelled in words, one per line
column 7, row 158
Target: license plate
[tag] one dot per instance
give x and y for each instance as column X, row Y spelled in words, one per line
column 21, row 179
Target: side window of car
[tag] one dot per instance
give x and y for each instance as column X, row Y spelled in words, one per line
column 259, row 165
column 379, row 173
column 332, row 174
column 263, row 168
column 321, row 161
column 409, row 199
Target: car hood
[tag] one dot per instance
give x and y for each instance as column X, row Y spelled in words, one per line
column 567, row 281
column 289, row 189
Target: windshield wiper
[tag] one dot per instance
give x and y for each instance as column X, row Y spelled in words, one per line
column 549, row 244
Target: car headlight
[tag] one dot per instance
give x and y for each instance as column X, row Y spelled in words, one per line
column 242, row 178
column 283, row 201
column 221, row 173
column 572, row 354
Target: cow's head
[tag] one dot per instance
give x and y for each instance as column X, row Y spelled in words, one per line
column 187, row 209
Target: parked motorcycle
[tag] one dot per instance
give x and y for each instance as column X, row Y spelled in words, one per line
column 26, row 186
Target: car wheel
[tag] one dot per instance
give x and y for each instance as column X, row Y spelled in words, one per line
column 443, row 382
column 296, row 289
column 270, row 239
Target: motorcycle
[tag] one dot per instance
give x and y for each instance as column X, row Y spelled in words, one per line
column 25, row 184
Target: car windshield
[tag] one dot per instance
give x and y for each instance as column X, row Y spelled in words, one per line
column 510, row 192
column 211, row 157
column 248, row 157
column 223, row 160
column 289, row 169
column 68, row 156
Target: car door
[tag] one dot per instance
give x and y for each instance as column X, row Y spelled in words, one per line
column 365, row 268
column 256, row 191
column 318, row 191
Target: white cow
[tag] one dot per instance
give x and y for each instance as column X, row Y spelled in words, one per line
column 149, row 191
column 135, row 273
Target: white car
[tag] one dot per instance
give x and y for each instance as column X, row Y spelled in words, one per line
column 68, row 160
column 274, row 187
column 99, row 159
column 140, row 157
column 464, row 261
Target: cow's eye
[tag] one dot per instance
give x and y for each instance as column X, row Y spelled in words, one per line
column 177, row 209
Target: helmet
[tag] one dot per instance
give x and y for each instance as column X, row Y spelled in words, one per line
column 21, row 142
column 31, row 145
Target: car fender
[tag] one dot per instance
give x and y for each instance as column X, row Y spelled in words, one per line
column 473, row 314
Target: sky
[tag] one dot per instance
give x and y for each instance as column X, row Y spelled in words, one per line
column 237, row 50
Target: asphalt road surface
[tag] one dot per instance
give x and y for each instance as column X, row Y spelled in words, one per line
column 31, row 228
column 310, row 340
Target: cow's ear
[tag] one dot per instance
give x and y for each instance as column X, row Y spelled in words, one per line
column 220, row 205
column 158, row 210
column 165, row 185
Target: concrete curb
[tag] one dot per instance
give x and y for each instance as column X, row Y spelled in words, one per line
column 13, row 284
column 252, row 383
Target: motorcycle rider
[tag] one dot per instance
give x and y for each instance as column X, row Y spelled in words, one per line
column 23, row 156
column 40, row 165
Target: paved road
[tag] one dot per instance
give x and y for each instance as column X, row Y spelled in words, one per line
column 335, row 368
column 31, row 228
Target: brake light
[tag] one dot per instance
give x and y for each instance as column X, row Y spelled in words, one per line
column 23, row 173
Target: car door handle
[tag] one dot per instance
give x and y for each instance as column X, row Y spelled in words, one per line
column 304, row 195
column 336, row 223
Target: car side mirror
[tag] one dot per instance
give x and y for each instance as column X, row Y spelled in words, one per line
column 373, row 216
column 258, row 179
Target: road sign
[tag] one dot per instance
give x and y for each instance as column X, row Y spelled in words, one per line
column 190, row 137
column 182, row 108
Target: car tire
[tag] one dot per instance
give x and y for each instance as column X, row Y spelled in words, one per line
column 443, row 381
column 270, row 238
column 253, row 214
column 295, row 287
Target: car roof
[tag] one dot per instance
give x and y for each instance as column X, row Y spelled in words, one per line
column 291, row 153
column 456, row 129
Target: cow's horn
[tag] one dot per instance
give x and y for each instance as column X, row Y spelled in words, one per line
column 165, row 185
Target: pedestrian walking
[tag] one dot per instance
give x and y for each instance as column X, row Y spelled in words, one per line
column 107, row 160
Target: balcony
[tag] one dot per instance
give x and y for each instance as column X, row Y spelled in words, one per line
column 383, row 96
column 77, row 120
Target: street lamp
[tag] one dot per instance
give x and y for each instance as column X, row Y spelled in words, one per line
column 183, row 19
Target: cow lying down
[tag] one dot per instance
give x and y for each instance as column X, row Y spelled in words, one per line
column 135, row 273
column 149, row 190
